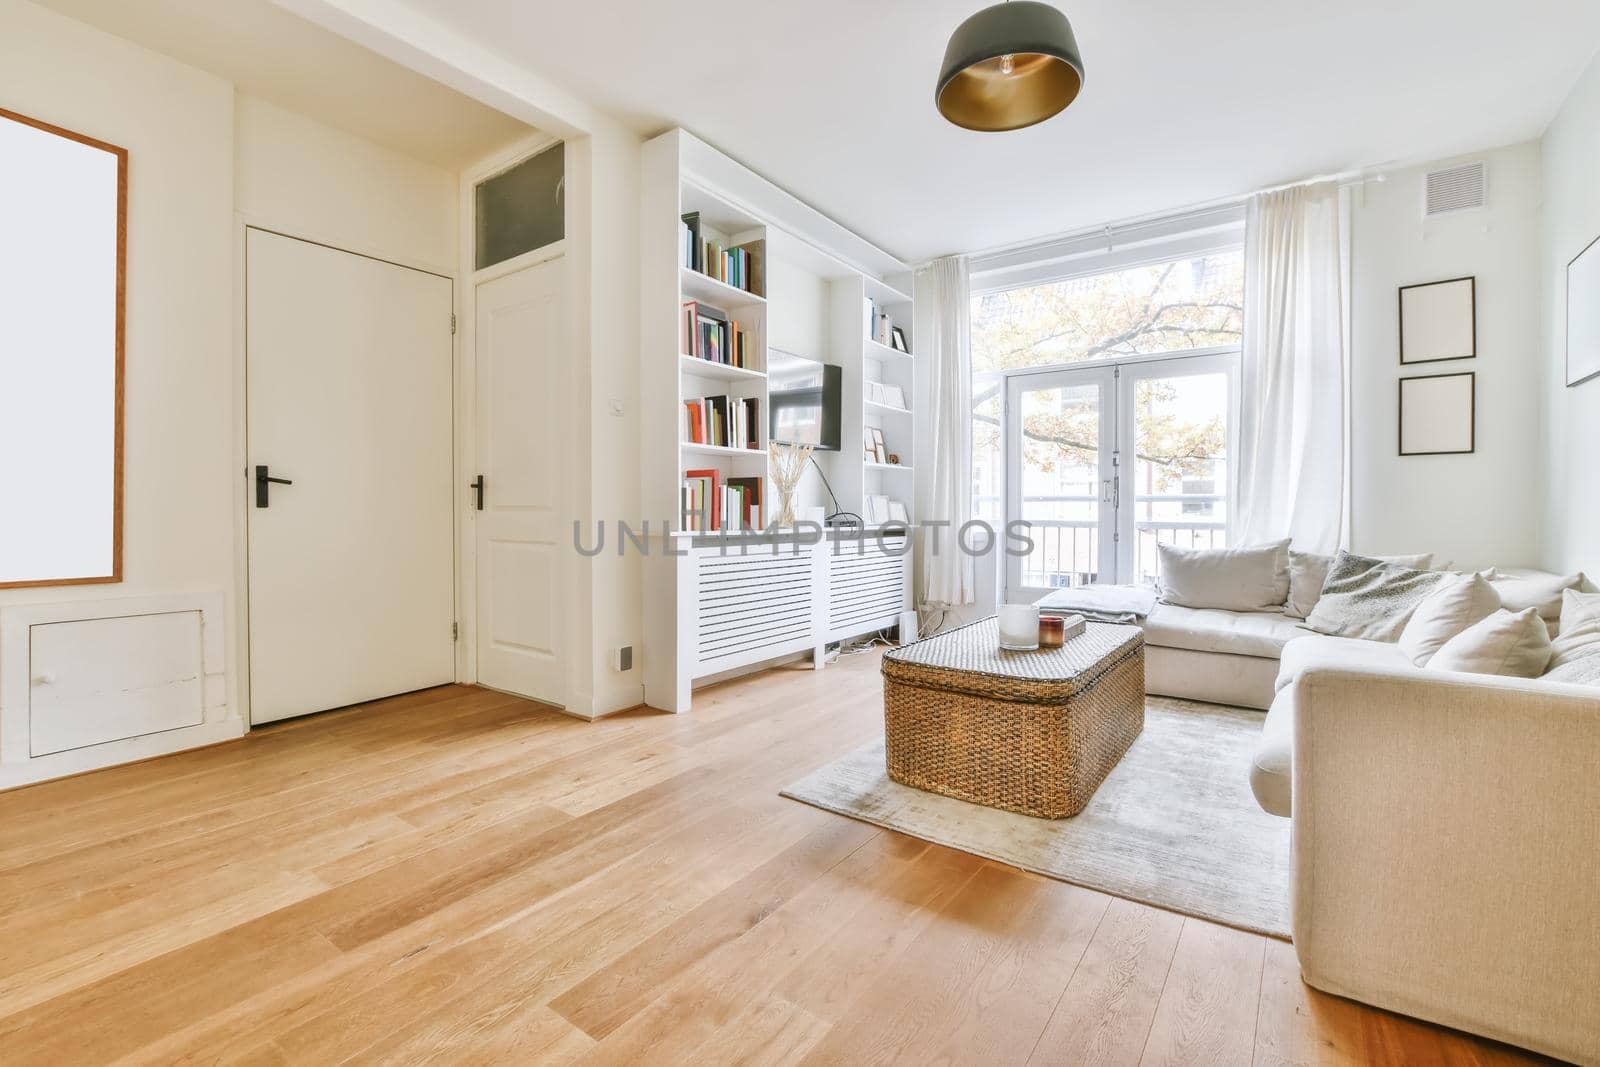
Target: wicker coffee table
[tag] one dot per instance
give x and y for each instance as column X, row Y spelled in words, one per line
column 1030, row 732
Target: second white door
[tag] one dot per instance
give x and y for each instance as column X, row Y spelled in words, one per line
column 524, row 372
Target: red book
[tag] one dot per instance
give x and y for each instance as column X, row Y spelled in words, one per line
column 716, row 493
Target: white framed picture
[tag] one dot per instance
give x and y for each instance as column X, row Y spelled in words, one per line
column 1583, row 315
column 877, row 509
column 1438, row 415
column 898, row 512
column 1439, row 321
column 892, row 395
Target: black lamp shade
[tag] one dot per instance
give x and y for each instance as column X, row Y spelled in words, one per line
column 976, row 90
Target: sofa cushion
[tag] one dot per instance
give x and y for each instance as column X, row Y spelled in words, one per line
column 1315, row 650
column 1272, row 766
column 1254, row 578
column 1308, row 570
column 1579, row 634
column 1240, row 633
column 1449, row 609
column 1368, row 598
column 1583, row 669
column 1523, row 589
column 1514, row 644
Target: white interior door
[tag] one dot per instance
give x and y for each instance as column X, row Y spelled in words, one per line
column 349, row 395
column 524, row 454
column 1061, row 478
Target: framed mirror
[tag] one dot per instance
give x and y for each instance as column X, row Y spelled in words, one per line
column 63, row 214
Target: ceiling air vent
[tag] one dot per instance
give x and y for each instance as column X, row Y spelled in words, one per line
column 1454, row 189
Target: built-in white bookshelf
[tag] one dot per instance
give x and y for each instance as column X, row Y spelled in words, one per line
column 807, row 295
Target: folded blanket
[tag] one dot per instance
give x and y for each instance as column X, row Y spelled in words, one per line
column 1102, row 603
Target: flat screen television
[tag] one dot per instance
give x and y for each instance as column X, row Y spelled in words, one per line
column 804, row 399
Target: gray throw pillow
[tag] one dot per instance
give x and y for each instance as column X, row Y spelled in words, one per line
column 1580, row 670
column 1368, row 598
column 1308, row 570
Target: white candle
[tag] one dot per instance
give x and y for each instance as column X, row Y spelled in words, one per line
column 1019, row 627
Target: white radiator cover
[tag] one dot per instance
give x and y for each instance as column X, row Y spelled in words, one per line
column 769, row 597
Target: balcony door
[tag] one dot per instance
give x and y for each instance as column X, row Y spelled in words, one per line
column 1104, row 461
column 1061, row 460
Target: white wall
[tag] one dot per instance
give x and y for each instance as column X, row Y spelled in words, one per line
column 603, row 177
column 1571, row 219
column 1476, row 509
column 177, row 124
column 295, row 175
column 197, row 155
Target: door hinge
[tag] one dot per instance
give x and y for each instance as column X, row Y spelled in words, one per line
column 452, row 323
column 455, row 631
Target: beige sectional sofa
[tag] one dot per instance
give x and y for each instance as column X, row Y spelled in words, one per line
column 1446, row 839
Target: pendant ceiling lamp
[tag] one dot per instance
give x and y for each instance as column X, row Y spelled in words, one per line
column 1009, row 66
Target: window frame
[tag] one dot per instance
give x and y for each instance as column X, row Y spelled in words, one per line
column 1206, row 232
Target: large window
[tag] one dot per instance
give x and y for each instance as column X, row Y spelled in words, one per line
column 1103, row 406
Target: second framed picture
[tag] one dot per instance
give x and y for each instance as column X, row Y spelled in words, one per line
column 1438, row 415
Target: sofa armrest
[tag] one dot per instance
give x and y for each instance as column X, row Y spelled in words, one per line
column 1447, row 850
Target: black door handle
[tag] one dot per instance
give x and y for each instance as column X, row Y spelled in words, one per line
column 262, row 480
column 476, row 485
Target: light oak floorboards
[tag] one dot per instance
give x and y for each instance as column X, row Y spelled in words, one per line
column 459, row 876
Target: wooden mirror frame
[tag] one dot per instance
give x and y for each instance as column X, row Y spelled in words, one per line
column 121, row 155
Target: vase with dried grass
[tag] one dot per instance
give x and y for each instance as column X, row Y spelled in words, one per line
column 788, row 465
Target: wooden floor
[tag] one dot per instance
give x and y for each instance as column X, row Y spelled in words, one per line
column 461, row 875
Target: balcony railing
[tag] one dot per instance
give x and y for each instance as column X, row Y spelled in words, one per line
column 1066, row 552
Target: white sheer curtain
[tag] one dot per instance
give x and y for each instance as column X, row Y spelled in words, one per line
column 943, row 337
column 1291, row 471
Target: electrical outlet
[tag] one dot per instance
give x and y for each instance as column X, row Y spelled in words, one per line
column 622, row 658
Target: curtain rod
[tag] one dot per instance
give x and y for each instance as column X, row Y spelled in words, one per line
column 1346, row 179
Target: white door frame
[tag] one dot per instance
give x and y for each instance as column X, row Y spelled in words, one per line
column 467, row 384
column 1101, row 376
column 1118, row 420
column 244, row 222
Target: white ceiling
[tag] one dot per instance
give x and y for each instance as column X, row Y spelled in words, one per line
column 270, row 53
column 1184, row 101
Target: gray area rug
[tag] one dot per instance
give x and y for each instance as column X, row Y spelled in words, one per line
column 1174, row 825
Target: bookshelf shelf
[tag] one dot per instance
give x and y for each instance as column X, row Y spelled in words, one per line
column 707, row 369
column 882, row 351
column 887, row 467
column 721, row 450
column 884, row 293
column 699, row 286
column 819, row 290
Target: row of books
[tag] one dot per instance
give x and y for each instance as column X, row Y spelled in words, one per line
column 711, row 505
column 707, row 333
column 878, row 323
column 735, row 265
column 727, row 421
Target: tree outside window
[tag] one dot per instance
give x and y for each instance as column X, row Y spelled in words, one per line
column 1164, row 307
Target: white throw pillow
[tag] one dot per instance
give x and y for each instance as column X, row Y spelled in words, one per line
column 1580, row 627
column 1542, row 591
column 1255, row 578
column 1309, row 570
column 1511, row 644
column 1447, row 611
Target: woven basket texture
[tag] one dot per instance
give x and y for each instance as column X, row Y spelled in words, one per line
column 1030, row 732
